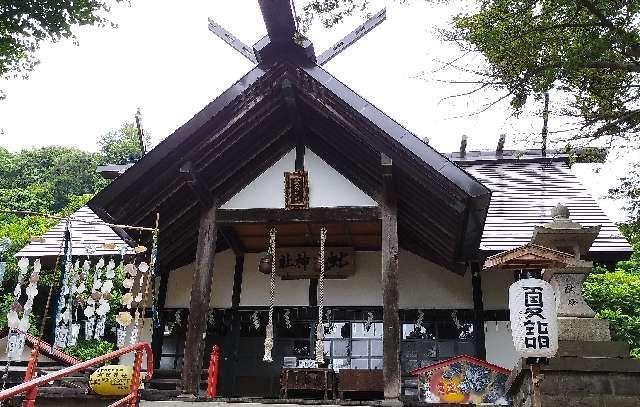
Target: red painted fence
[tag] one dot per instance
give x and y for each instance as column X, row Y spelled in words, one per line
column 31, row 387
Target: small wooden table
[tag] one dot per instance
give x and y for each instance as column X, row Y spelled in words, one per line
column 317, row 379
column 360, row 381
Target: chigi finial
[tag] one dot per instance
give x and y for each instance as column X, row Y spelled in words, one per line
column 284, row 42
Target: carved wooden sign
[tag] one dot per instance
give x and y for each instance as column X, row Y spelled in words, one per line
column 301, row 262
column 296, row 190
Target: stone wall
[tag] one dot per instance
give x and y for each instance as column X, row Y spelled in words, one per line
column 580, row 382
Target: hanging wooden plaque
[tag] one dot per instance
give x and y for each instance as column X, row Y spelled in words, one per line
column 301, row 262
column 296, row 190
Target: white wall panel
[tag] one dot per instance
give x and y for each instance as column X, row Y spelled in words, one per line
column 327, row 187
column 426, row 285
column 422, row 284
column 255, row 287
column 180, row 280
column 495, row 289
column 499, row 345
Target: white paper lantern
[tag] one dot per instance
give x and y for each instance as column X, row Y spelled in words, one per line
column 534, row 322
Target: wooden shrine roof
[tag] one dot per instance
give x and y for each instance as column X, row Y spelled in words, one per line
column 244, row 131
column 288, row 100
column 525, row 191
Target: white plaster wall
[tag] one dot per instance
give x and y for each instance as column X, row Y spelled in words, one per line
column 499, row 345
column 423, row 284
column 327, row 187
column 180, row 280
column 361, row 289
column 495, row 289
column 255, row 287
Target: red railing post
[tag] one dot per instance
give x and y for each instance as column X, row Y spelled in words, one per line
column 212, row 378
column 30, row 396
column 135, row 378
column 31, row 386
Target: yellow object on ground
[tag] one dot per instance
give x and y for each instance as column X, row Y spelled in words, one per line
column 111, row 380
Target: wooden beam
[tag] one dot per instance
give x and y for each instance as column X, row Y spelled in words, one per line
column 390, row 295
column 289, row 96
column 235, row 325
column 319, row 215
column 157, row 338
column 232, row 40
column 279, row 20
column 352, row 37
column 478, row 312
column 197, row 185
column 231, row 237
column 106, row 216
column 199, row 304
column 313, row 292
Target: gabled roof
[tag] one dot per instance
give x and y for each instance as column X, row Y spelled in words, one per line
column 441, row 208
column 89, row 232
column 525, row 191
column 456, row 359
column 529, row 256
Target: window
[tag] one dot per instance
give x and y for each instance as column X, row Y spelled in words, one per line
column 354, row 345
column 432, row 341
column 429, row 342
column 366, row 345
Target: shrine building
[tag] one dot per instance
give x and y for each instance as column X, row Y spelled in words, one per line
column 290, row 159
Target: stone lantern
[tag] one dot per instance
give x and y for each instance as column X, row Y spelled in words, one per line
column 575, row 317
column 588, row 370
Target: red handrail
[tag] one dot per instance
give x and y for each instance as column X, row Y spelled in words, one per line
column 32, row 385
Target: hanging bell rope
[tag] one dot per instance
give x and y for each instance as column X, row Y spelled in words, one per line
column 268, row 340
column 320, row 329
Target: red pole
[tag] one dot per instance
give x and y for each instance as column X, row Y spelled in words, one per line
column 212, row 380
column 30, row 396
column 135, row 378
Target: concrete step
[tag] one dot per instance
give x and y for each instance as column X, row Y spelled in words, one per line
column 197, row 403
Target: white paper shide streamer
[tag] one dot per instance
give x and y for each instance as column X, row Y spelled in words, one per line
column 20, row 324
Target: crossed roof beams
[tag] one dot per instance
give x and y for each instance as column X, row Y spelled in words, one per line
column 281, row 27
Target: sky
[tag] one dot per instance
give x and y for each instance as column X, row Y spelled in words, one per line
column 163, row 60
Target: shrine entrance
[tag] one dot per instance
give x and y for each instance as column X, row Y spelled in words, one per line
column 379, row 192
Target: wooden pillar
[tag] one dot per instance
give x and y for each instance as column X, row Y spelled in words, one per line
column 199, row 305
column 390, row 316
column 235, row 325
column 478, row 312
column 313, row 292
column 158, row 331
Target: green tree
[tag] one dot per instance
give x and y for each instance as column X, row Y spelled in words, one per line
column 586, row 50
column 585, row 53
column 615, row 296
column 629, row 190
column 53, row 180
column 51, row 174
column 121, row 146
column 25, row 24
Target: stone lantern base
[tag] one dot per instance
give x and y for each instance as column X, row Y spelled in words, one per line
column 583, row 374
